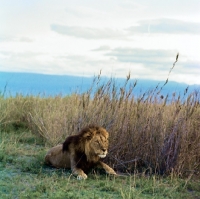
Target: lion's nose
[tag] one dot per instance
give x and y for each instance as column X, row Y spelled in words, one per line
column 104, row 150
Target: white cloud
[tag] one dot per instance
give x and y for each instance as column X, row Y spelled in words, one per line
column 87, row 32
column 82, row 37
column 136, row 55
column 165, row 26
column 102, row 48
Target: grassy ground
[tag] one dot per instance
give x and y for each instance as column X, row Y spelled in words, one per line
column 24, row 175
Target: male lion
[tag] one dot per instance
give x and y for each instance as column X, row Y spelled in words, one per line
column 81, row 152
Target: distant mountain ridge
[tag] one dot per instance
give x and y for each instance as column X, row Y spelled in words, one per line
column 52, row 85
column 34, row 84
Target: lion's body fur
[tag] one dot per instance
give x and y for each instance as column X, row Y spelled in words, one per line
column 57, row 157
column 81, row 152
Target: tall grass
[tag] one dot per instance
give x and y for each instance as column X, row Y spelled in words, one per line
column 147, row 132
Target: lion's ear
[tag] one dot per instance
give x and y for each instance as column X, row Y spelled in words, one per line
column 88, row 135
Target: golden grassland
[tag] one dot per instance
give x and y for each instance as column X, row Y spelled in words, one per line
column 149, row 132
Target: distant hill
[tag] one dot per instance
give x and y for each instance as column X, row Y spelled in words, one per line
column 52, row 85
column 34, row 84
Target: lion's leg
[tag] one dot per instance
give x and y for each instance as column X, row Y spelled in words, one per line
column 108, row 169
column 77, row 171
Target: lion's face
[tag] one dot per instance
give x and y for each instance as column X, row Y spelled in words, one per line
column 99, row 145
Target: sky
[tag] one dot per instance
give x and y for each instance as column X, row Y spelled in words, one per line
column 115, row 37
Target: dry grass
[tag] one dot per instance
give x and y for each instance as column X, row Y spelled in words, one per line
column 148, row 132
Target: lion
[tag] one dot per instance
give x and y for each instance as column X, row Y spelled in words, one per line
column 81, row 152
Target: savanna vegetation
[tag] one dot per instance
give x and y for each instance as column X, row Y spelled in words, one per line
column 154, row 140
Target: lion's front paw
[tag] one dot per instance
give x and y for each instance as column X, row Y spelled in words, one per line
column 82, row 176
column 111, row 172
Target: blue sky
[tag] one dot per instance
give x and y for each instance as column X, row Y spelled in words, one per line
column 115, row 36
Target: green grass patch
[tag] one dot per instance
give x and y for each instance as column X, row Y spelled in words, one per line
column 23, row 174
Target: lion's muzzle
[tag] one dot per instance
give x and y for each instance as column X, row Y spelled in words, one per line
column 103, row 155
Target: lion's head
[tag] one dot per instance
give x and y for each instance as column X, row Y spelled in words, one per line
column 96, row 141
column 92, row 140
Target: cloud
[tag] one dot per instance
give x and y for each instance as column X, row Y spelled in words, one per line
column 25, row 39
column 156, row 64
column 102, row 48
column 4, row 38
column 138, row 55
column 20, row 55
column 86, row 32
column 190, row 67
column 23, row 61
column 152, row 65
column 166, row 26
